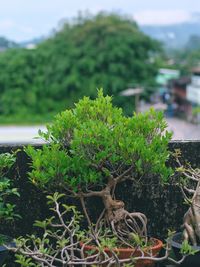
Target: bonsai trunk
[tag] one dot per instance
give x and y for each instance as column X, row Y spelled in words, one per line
column 123, row 222
column 114, row 208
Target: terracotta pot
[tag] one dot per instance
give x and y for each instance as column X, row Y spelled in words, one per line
column 125, row 253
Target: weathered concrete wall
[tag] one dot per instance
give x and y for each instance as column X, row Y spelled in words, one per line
column 162, row 205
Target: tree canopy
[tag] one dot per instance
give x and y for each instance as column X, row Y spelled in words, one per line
column 94, row 143
column 106, row 50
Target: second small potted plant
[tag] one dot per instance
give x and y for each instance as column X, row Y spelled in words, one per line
column 187, row 242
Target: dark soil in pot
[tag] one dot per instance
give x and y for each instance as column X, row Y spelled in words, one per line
column 191, row 260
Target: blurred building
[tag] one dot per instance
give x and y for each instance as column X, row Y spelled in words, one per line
column 193, row 88
column 163, row 78
column 164, row 75
column 178, row 89
column 186, row 94
column 193, row 94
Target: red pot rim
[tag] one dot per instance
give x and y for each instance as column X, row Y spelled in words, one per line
column 158, row 245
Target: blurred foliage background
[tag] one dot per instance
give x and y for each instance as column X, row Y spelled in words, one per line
column 106, row 50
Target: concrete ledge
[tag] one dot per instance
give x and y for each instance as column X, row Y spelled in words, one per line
column 162, row 205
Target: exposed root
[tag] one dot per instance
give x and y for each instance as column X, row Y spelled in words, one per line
column 191, row 193
column 129, row 223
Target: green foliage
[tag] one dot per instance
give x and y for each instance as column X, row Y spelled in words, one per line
column 6, row 208
column 186, row 249
column 170, row 233
column 55, row 238
column 129, row 265
column 25, row 262
column 196, row 111
column 108, row 242
column 106, row 50
column 95, row 140
column 138, row 240
column 62, row 239
column 6, row 161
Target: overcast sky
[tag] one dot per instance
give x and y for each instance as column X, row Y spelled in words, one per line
column 26, row 19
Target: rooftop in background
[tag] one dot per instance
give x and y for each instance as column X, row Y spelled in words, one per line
column 180, row 82
column 169, row 72
column 131, row 91
column 196, row 70
column 164, row 75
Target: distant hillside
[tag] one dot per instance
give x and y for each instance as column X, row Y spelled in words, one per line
column 31, row 43
column 173, row 36
column 5, row 44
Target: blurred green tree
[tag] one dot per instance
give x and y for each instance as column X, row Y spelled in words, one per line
column 106, row 50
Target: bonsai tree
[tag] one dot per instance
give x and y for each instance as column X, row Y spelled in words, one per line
column 92, row 148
